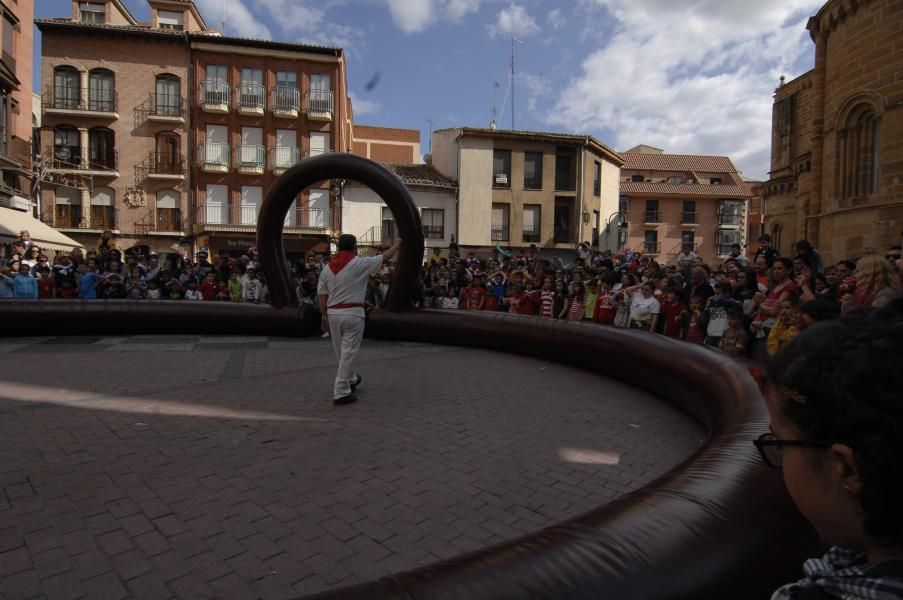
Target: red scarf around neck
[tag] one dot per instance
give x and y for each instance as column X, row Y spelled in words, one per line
column 340, row 261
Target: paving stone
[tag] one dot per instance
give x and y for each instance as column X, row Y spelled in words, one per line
column 253, row 485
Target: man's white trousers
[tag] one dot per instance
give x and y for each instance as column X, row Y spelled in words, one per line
column 346, row 332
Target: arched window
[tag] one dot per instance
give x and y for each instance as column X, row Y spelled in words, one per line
column 168, row 100
column 167, row 156
column 776, row 238
column 66, row 87
column 858, row 152
column 66, row 150
column 101, row 90
column 169, row 210
column 102, row 208
column 102, row 147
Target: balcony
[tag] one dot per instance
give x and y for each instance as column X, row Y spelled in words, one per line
column 71, row 217
column 250, row 159
column 93, row 102
column 652, row 247
column 250, row 99
column 318, row 105
column 213, row 157
column 285, row 102
column 652, row 216
column 316, row 152
column 166, row 166
column 243, row 217
column 282, row 158
column 213, row 96
column 166, row 108
column 499, row 234
column 531, row 235
column 689, row 218
column 71, row 160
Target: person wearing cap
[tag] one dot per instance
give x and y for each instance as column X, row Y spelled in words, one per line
column 341, row 290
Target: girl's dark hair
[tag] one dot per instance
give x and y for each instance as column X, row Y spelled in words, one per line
column 787, row 262
column 820, row 309
column 848, row 375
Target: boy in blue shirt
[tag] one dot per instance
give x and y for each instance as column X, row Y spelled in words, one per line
column 87, row 283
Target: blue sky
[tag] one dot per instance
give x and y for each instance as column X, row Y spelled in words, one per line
column 687, row 76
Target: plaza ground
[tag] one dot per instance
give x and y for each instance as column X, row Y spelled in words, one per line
column 217, row 467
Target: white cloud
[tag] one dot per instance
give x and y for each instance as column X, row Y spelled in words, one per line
column 309, row 23
column 456, row 10
column 556, row 19
column 537, row 88
column 363, row 107
column 412, row 16
column 239, row 20
column 514, row 19
column 701, row 84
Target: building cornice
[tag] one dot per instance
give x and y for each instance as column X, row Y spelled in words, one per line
column 832, row 15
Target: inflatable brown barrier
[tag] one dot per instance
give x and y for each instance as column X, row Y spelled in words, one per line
column 720, row 525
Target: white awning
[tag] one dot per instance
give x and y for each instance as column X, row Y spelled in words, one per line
column 45, row 236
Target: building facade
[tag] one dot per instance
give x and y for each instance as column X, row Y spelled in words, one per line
column 260, row 108
column 836, row 175
column 168, row 133
column 519, row 188
column 668, row 200
column 367, row 217
column 16, row 100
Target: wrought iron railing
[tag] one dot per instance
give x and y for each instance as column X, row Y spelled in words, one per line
column 213, row 154
column 166, row 163
column 213, row 92
column 318, row 101
column 284, row 157
column 245, row 215
column 250, row 156
column 167, row 105
column 499, row 234
column 285, row 98
column 251, row 95
column 73, row 98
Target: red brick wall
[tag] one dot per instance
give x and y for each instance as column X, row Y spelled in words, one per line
column 392, row 154
column 134, row 61
column 388, row 134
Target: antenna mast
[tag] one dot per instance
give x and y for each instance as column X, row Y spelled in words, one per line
column 519, row 41
column 223, row 22
column 430, row 121
column 494, row 113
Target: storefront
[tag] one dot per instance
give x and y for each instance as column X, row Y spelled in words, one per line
column 235, row 245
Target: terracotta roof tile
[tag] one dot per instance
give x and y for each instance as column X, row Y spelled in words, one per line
column 107, row 26
column 420, row 175
column 677, row 162
column 687, row 189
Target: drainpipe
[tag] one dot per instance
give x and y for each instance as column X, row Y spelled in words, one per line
column 190, row 151
column 581, row 156
column 458, row 186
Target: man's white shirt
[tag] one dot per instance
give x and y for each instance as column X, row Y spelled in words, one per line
column 350, row 285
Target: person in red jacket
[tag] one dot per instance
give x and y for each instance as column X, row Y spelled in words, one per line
column 208, row 287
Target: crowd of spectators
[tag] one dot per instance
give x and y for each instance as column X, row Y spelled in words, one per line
column 749, row 307
column 744, row 306
column 107, row 273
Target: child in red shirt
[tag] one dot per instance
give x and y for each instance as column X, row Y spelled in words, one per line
column 474, row 296
column 605, row 310
column 672, row 308
column 45, row 284
column 693, row 331
column 208, row 287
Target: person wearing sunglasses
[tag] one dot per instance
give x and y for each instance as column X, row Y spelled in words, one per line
column 836, row 410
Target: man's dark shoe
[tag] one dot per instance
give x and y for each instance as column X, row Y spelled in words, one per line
column 349, row 399
column 356, row 383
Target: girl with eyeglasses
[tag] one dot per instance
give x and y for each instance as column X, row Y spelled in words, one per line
column 836, row 411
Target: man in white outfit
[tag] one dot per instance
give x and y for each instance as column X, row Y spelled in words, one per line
column 342, row 287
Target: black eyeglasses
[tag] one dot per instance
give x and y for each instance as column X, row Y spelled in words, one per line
column 772, row 449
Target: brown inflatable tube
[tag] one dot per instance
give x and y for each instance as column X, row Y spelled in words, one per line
column 720, row 525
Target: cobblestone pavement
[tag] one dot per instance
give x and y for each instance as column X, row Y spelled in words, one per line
column 217, row 467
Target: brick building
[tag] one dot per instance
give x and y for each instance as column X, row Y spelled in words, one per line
column 668, row 200
column 169, row 133
column 15, row 100
column 836, row 161
column 518, row 188
column 387, row 144
column 260, row 108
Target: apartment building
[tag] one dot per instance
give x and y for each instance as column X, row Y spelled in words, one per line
column 260, row 108
column 15, row 99
column 519, row 188
column 169, row 133
column 114, row 131
column 366, row 215
column 668, row 200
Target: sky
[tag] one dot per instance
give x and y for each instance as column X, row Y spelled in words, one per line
column 688, row 76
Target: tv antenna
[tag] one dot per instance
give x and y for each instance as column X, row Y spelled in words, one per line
column 493, row 113
column 519, row 41
column 430, row 121
column 223, row 22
